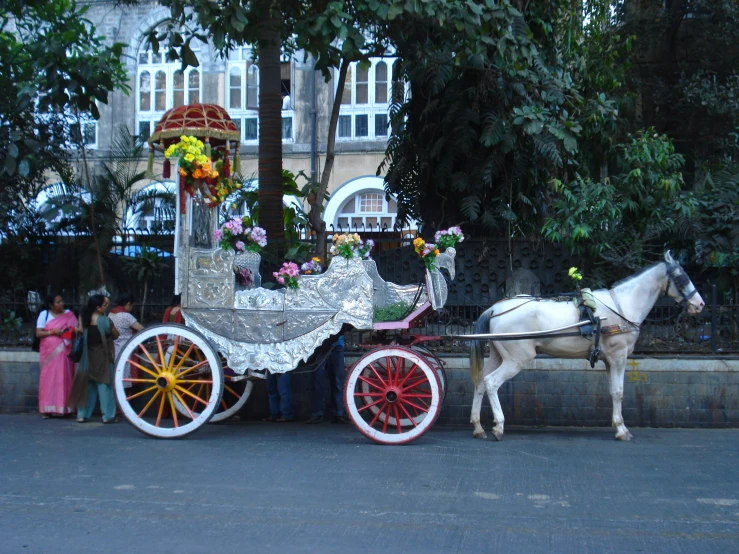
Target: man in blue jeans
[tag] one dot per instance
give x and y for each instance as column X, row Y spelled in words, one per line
column 280, row 398
column 334, row 363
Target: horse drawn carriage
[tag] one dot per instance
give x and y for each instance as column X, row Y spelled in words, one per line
column 183, row 376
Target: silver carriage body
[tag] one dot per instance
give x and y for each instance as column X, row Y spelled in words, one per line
column 257, row 328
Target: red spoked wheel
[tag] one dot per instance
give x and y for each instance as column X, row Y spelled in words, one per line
column 171, row 360
column 392, row 395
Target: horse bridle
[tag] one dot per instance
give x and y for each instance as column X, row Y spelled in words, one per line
column 680, row 279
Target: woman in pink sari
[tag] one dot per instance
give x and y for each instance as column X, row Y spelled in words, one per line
column 55, row 327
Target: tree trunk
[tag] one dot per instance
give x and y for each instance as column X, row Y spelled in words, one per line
column 316, row 212
column 270, row 132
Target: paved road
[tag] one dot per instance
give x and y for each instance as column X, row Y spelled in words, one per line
column 254, row 487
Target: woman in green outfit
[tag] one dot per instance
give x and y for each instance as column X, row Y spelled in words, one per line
column 94, row 375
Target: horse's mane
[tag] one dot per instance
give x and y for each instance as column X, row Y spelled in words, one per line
column 635, row 275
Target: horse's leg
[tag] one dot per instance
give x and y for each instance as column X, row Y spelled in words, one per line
column 479, row 432
column 616, row 368
column 505, row 371
column 492, row 363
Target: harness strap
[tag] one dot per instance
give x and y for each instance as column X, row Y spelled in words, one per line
column 514, row 308
column 615, row 300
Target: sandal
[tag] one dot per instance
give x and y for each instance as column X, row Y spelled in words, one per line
column 114, row 420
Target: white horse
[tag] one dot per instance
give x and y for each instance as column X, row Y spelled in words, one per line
column 625, row 305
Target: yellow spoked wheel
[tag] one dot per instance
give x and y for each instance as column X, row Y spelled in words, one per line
column 167, row 362
column 236, row 391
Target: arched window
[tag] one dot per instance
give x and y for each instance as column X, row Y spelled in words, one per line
column 361, row 205
column 381, row 83
column 145, row 91
column 179, row 88
column 234, row 88
column 364, row 103
column 166, row 82
column 193, row 87
column 243, row 94
column 160, row 91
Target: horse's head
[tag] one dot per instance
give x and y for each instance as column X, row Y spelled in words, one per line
column 680, row 288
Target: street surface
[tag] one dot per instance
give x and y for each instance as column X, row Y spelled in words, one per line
column 260, row 487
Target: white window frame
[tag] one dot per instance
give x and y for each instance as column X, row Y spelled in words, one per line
column 241, row 59
column 372, row 108
column 152, row 115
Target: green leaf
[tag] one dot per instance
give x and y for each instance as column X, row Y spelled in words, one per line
column 24, row 168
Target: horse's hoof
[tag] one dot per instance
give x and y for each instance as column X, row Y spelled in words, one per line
column 498, row 434
column 480, row 434
column 624, row 436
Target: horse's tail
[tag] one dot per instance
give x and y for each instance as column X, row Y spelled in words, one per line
column 476, row 348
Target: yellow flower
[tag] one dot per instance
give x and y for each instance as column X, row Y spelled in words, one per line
column 199, row 144
column 436, row 251
column 189, row 157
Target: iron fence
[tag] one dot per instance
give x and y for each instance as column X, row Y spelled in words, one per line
column 485, row 267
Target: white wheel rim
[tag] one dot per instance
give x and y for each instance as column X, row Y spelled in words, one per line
column 412, row 432
column 213, row 364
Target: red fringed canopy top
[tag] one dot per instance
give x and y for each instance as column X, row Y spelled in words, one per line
column 199, row 120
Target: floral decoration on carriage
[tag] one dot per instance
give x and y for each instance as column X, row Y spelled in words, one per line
column 201, row 137
column 445, row 239
column 351, row 245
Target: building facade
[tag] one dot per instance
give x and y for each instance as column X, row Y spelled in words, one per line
column 156, row 85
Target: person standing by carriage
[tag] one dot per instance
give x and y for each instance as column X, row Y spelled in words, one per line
column 126, row 323
column 54, row 328
column 94, row 375
column 334, row 365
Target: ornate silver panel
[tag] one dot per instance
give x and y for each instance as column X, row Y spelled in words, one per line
column 211, row 263
column 298, row 323
column 259, row 326
column 218, row 321
column 347, row 286
column 378, row 283
column 260, row 299
column 211, row 281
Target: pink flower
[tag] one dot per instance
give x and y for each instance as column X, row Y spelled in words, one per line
column 218, row 235
column 239, row 245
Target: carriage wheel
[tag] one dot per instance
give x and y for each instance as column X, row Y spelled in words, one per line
column 235, row 395
column 392, row 395
column 435, row 363
column 165, row 379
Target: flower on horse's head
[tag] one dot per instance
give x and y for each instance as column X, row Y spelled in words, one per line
column 575, row 274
